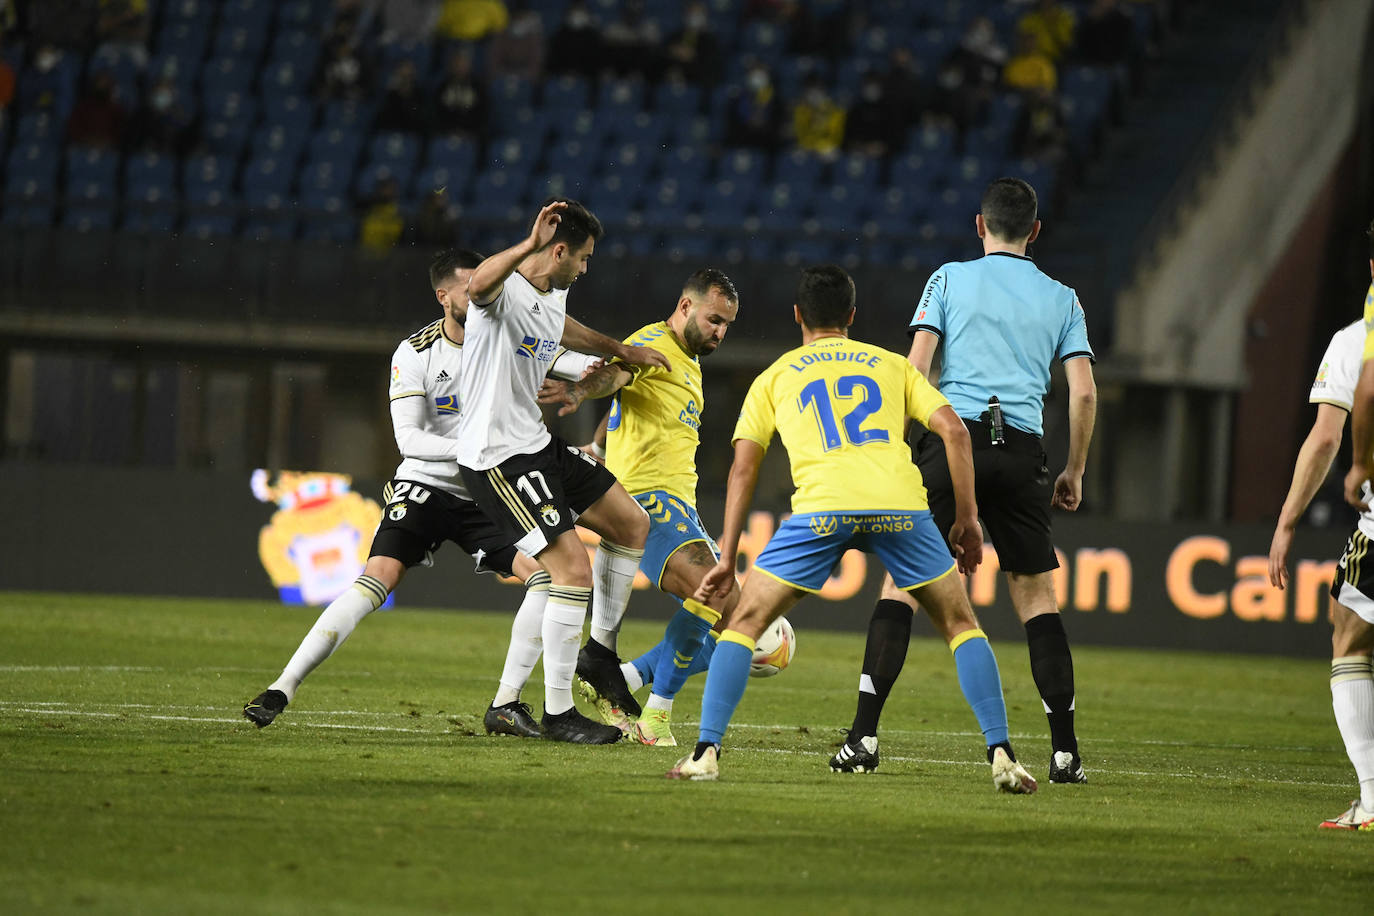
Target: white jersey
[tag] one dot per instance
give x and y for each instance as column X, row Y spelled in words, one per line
column 511, row 345
column 1335, row 384
column 427, row 366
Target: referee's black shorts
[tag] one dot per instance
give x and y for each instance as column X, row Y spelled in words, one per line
column 1013, row 486
column 536, row 497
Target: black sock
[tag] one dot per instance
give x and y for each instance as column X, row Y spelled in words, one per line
column 1052, row 668
column 701, row 749
column 889, row 634
column 1004, row 745
column 597, row 650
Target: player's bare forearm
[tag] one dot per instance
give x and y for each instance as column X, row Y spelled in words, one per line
column 1315, row 457
column 489, row 276
column 1082, row 413
column 578, row 336
column 922, row 354
column 946, row 424
column 603, row 382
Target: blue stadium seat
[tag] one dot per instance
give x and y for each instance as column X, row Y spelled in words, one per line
column 575, row 157
column 931, row 140
column 454, row 152
column 896, row 211
column 742, row 166
column 347, row 114
column 373, row 174
column 261, row 227
column 676, row 99
column 182, row 70
column 53, row 90
column 209, row 225
column 298, row 111
column 223, row 75
column 149, row 219
column 630, row 160
column 284, row 77
column 192, row 11
column 36, row 161
column 207, row 181
column 269, row 173
column 641, row 128
column 495, row 195
column 726, row 204
column 974, row 172
column 335, row 145
column 325, row 179
column 990, row 141
column 239, row 41
column 576, row 185
column 150, row 197
column 798, row 167
column 88, row 214
column 664, row 203
column 41, row 127
column 27, row 208
column 685, row 164
column 510, row 92
column 620, row 98
column 681, row 247
column 917, row 171
column 765, row 40
column 805, row 251
column 564, row 95
column 399, row 150
column 93, row 165
column 302, row 15
column 254, row 15
column 332, row 221
column 301, row 48
column 150, row 169
column 283, row 140
column 230, row 105
column 839, row 207
column 185, row 39
column 126, row 70
column 782, row 208
column 225, row 137
column 432, row 177
column 513, row 156
column 858, row 171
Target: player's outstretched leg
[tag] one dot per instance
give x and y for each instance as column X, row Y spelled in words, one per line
column 507, row 715
column 335, row 623
column 889, row 635
column 682, row 641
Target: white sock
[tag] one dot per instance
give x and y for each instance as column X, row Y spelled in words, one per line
column 1352, row 698
column 333, row 626
column 658, row 702
column 563, row 617
column 526, row 640
column 613, row 570
column 632, row 678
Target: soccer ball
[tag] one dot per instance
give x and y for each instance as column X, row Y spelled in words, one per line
column 774, row 649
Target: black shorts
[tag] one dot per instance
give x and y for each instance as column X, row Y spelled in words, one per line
column 417, row 518
column 1013, row 487
column 535, row 498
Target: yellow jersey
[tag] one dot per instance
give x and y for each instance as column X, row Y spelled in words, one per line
column 652, row 436
column 840, row 407
column 1368, row 324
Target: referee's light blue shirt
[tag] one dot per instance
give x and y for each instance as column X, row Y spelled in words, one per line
column 1001, row 322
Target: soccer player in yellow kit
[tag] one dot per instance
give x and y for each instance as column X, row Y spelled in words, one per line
column 651, row 438
column 841, row 408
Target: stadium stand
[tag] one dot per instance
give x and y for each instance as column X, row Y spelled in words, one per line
column 283, row 102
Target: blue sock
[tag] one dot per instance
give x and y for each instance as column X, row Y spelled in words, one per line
column 981, row 683
column 725, row 684
column 702, row 660
column 646, row 663
column 682, row 641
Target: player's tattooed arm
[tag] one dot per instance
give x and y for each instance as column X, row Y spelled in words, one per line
column 599, row 383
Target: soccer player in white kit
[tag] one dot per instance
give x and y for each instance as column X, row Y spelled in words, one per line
column 426, row 504
column 1337, row 392
column 534, row 484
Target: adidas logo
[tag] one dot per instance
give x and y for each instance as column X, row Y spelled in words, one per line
column 534, row 309
column 443, row 376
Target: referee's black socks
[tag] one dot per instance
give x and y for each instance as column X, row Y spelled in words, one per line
column 889, row 634
column 1052, row 668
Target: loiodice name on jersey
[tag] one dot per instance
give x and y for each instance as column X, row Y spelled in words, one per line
column 537, row 348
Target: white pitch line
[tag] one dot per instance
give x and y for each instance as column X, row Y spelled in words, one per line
column 60, row 711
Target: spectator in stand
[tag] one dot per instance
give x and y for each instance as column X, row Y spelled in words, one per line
column 907, row 94
column 382, row 223
column 1029, row 69
column 460, row 102
column 970, row 74
column 755, row 113
column 164, row 120
column 344, row 73
column 519, row 50
column 472, row 20
column 98, row 118
column 353, row 20
column 1051, row 24
column 436, row 224
column 403, row 106
column 576, row 46
column 1106, row 36
column 9, row 19
column 694, row 49
column 818, row 120
column 631, row 43
column 872, row 127
column 122, row 29
column 408, row 22
column 68, row 25
column 1040, row 132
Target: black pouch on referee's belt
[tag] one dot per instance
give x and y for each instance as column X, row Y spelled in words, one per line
column 990, row 431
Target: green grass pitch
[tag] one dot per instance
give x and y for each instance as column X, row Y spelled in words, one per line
column 130, row 783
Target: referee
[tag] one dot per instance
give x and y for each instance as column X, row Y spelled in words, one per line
column 1002, row 323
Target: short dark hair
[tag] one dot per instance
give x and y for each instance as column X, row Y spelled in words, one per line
column 825, row 296
column 577, row 224
column 703, row 281
column 1009, row 208
column 447, row 261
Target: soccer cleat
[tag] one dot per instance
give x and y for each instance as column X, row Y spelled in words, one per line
column 705, row 768
column 652, row 728
column 514, row 718
column 1066, row 767
column 856, row 755
column 1356, row 818
column 1010, row 776
column 605, row 710
column 575, row 728
column 265, row 707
